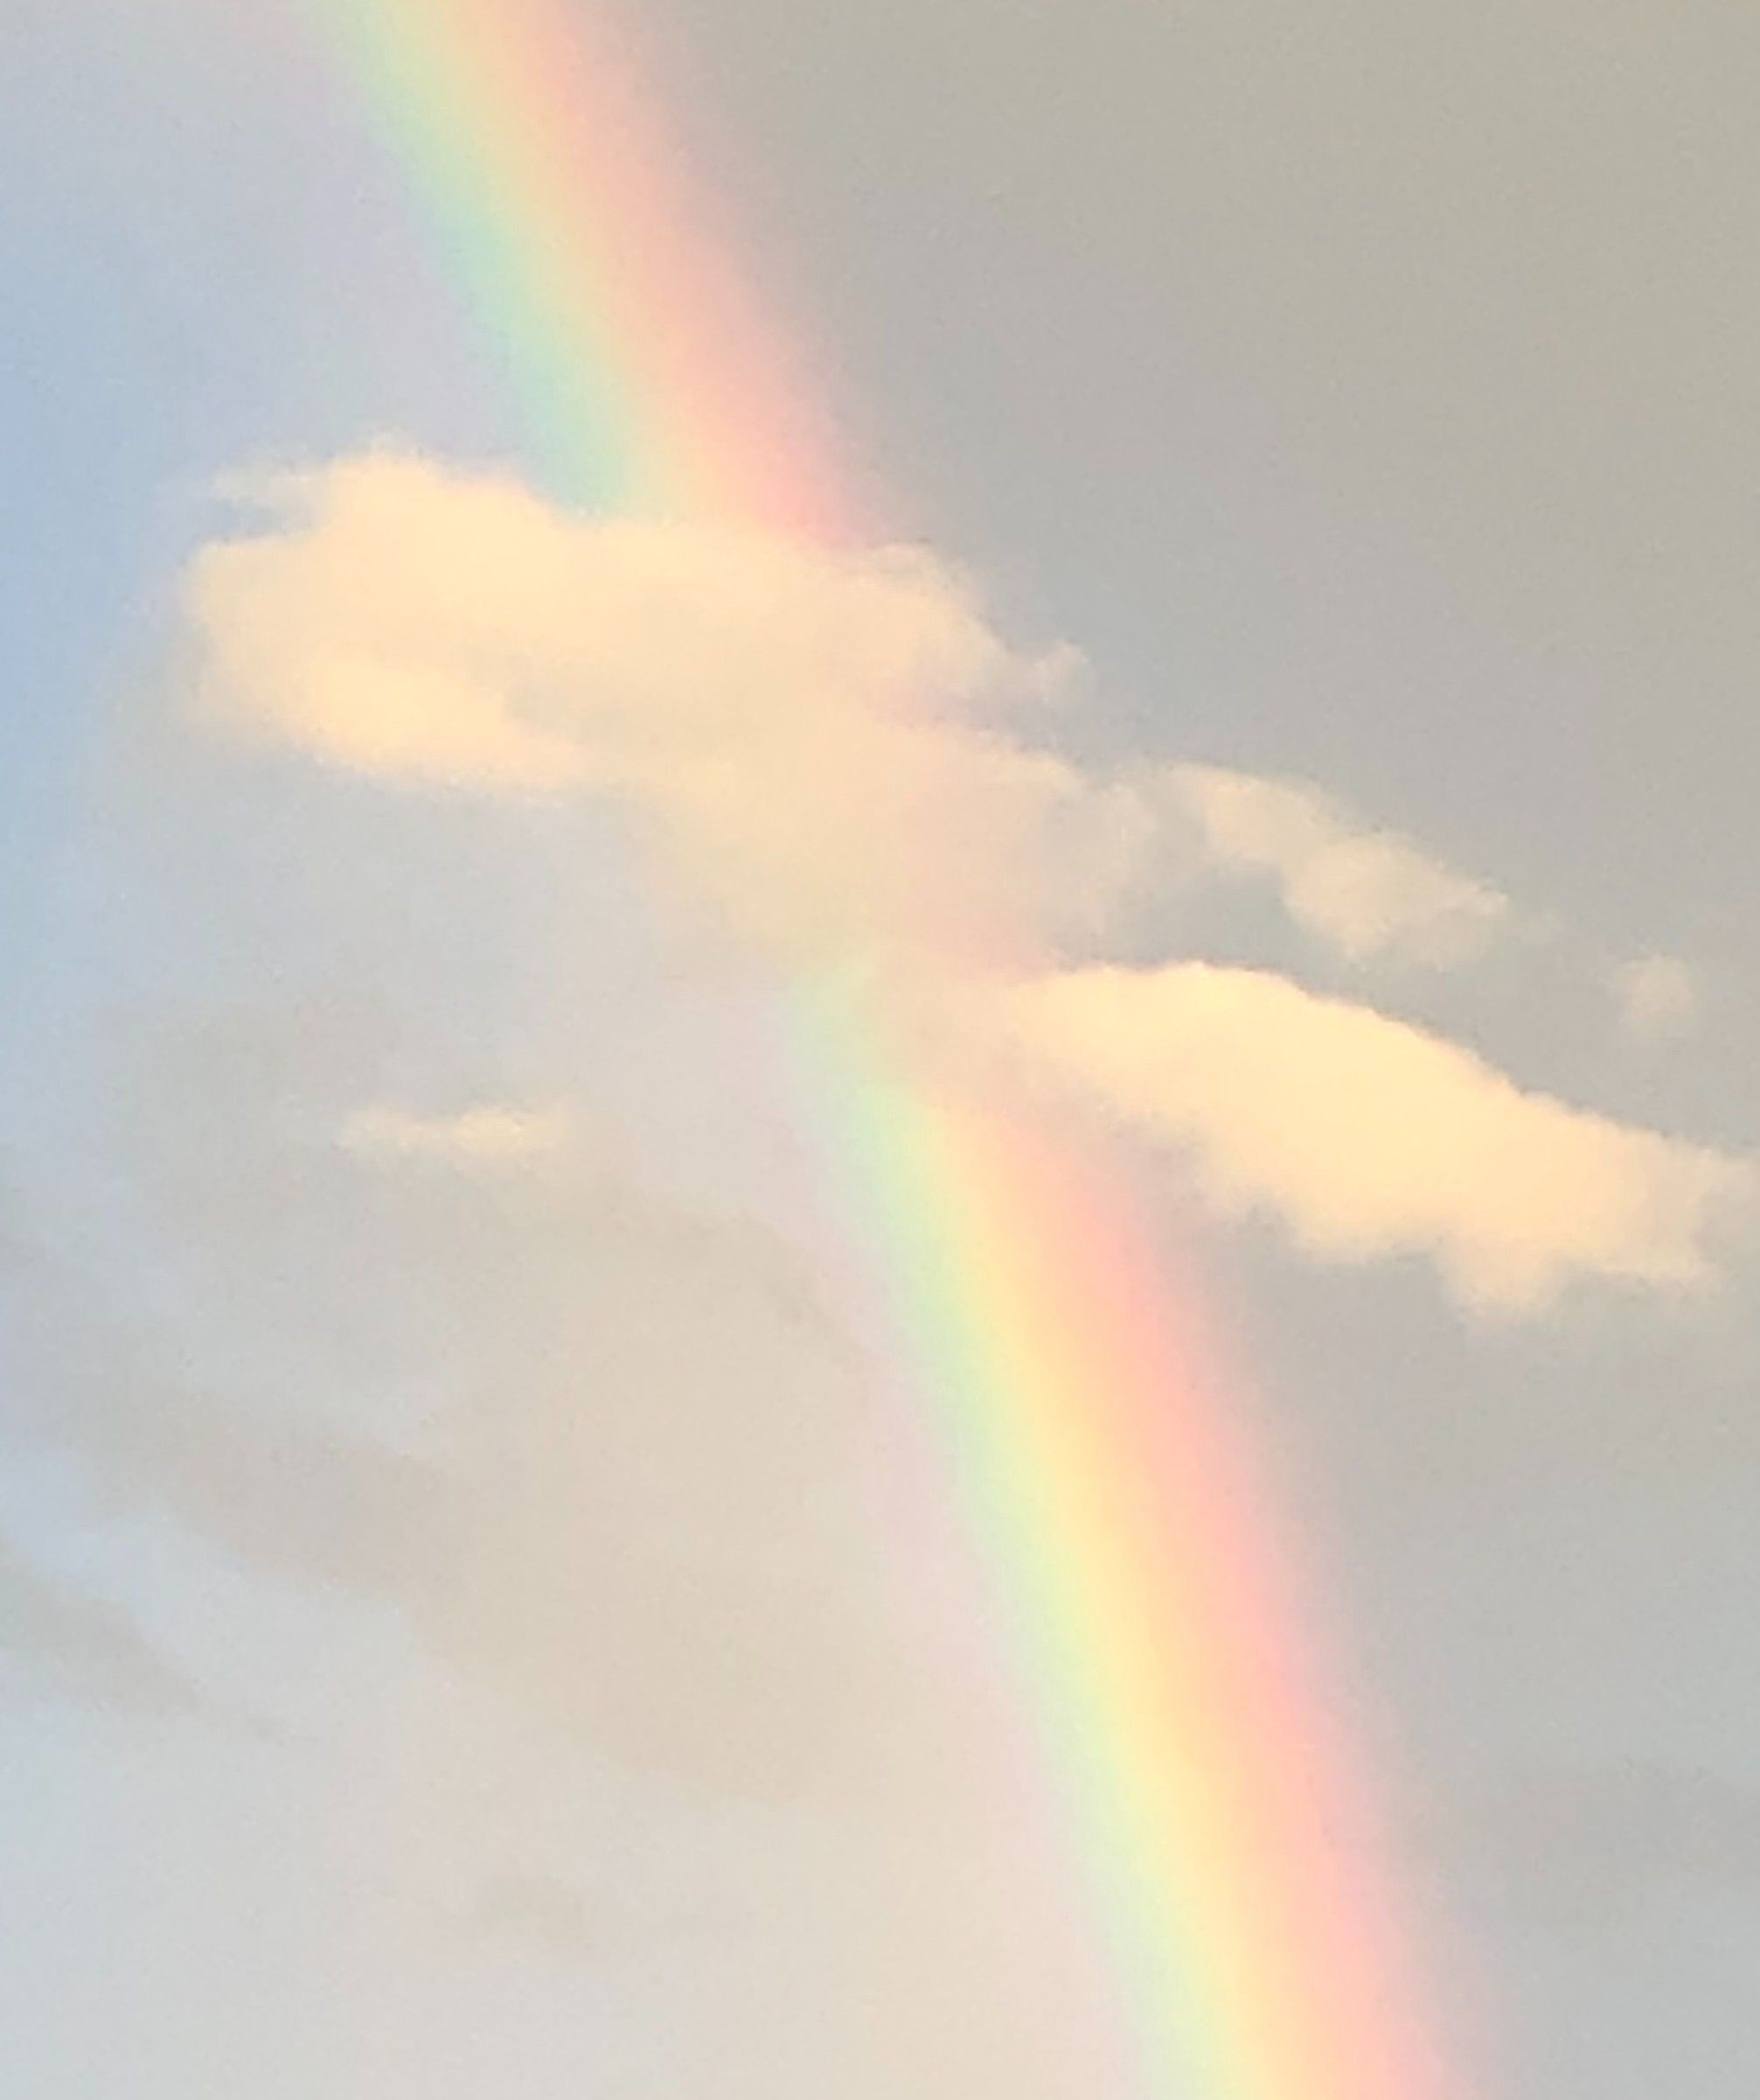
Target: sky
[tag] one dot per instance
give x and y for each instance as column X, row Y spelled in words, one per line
column 471, row 1615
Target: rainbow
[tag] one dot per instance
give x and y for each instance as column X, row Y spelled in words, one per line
column 1129, row 1544
column 649, row 380
column 1133, row 1550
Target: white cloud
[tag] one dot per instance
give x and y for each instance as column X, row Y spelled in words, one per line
column 821, row 738
column 815, row 735
column 1367, row 1136
column 821, row 745
column 1366, row 893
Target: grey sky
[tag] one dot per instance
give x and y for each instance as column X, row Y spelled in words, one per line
column 1369, row 392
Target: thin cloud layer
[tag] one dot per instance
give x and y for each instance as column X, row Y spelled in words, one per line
column 637, row 1516
column 83, row 1647
column 834, row 751
column 640, row 1655
column 1367, row 1136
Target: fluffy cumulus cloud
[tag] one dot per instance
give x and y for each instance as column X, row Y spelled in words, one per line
column 1369, row 1136
column 837, row 751
column 816, row 737
column 1365, row 892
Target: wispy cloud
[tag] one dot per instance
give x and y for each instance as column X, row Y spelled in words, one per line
column 1657, row 997
column 488, row 1138
column 1364, row 891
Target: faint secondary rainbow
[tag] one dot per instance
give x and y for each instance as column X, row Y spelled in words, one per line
column 1130, row 1549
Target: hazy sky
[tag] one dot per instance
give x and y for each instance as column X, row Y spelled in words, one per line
column 461, row 1628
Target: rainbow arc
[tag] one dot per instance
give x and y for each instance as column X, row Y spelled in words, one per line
column 1139, row 1573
